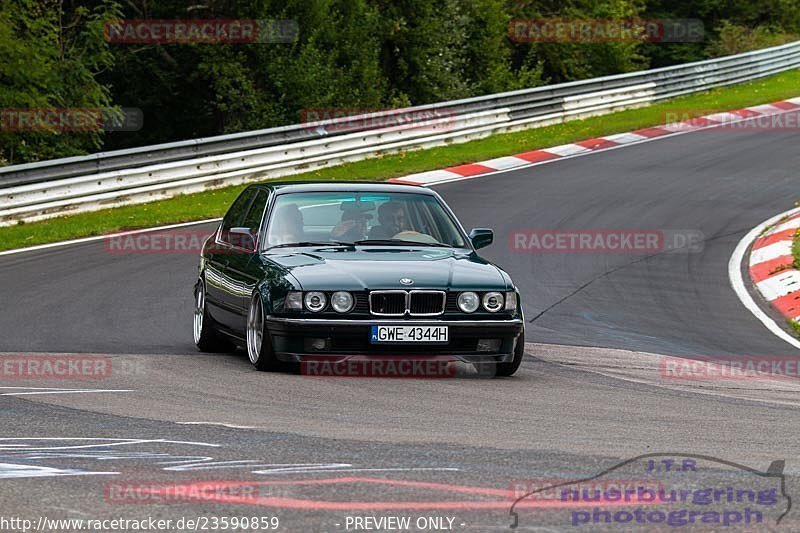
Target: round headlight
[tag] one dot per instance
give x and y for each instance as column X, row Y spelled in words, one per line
column 468, row 302
column 315, row 301
column 342, row 301
column 493, row 301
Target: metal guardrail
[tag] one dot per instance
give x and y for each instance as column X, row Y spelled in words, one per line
column 61, row 186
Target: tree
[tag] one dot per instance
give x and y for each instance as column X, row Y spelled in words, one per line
column 52, row 57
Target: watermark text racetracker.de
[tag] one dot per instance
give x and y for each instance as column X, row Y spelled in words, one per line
column 174, row 241
column 433, row 367
column 781, row 116
column 65, row 366
column 599, row 30
column 729, row 368
column 70, row 120
column 208, row 31
column 604, row 241
column 161, row 493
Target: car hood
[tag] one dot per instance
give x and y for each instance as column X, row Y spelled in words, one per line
column 382, row 268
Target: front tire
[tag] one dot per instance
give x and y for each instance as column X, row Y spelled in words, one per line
column 259, row 347
column 205, row 334
column 508, row 369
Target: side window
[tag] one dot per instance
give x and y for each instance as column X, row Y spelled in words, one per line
column 235, row 216
column 252, row 220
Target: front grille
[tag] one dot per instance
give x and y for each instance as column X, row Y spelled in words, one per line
column 387, row 303
column 414, row 303
column 452, row 303
column 362, row 303
column 427, row 303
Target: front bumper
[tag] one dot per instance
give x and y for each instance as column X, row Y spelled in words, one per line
column 351, row 338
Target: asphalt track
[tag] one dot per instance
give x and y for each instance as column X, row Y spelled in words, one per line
column 324, row 449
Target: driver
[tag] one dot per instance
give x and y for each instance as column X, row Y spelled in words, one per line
column 392, row 218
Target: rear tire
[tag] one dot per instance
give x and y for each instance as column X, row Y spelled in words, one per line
column 508, row 369
column 205, row 334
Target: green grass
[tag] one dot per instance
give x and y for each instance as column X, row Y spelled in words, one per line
column 796, row 249
column 795, row 326
column 213, row 204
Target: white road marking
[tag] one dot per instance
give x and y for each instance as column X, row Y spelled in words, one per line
column 17, row 471
column 207, row 463
column 410, row 469
column 101, row 237
column 789, row 224
column 20, row 449
column 737, row 281
column 300, row 469
column 100, row 442
column 233, row 426
column 48, row 390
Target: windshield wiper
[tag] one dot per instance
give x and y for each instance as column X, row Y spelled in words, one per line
column 311, row 243
column 401, row 242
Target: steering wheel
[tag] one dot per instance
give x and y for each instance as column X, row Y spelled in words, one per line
column 415, row 236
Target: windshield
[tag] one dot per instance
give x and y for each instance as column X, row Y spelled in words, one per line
column 361, row 218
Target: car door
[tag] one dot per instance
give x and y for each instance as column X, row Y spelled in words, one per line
column 223, row 297
column 240, row 271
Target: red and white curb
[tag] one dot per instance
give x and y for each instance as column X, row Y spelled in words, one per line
column 597, row 144
column 768, row 263
column 771, row 267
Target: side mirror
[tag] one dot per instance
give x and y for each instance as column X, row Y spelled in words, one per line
column 242, row 238
column 481, row 237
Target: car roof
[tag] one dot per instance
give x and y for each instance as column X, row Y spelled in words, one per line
column 344, row 186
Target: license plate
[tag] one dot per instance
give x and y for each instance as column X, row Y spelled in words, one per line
column 402, row 334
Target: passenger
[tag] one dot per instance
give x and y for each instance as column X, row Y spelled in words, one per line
column 353, row 226
column 287, row 225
